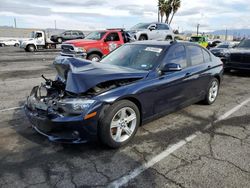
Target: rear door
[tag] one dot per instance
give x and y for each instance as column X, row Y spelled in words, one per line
column 163, row 31
column 200, row 60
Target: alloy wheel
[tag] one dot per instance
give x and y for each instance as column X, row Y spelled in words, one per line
column 123, row 124
column 213, row 91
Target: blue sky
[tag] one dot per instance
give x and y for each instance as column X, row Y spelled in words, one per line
column 99, row 14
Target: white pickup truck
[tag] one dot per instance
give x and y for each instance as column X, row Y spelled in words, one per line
column 37, row 41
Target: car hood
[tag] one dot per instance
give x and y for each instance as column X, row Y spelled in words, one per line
column 239, row 51
column 80, row 41
column 81, row 75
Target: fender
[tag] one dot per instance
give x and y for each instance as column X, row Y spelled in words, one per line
column 94, row 50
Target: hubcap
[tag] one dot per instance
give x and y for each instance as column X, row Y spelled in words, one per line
column 95, row 59
column 213, row 91
column 123, row 124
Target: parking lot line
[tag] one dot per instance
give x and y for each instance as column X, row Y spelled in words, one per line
column 137, row 171
column 13, row 108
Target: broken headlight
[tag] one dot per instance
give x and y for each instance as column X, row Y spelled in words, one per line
column 75, row 106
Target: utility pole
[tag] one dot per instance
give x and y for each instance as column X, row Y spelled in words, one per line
column 226, row 35
column 55, row 24
column 15, row 22
column 158, row 13
column 198, row 26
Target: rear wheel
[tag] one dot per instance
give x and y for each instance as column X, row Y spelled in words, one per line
column 94, row 57
column 168, row 38
column 16, row 45
column 120, row 123
column 212, row 92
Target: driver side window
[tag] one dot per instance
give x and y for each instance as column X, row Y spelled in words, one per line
column 178, row 56
column 113, row 37
column 38, row 35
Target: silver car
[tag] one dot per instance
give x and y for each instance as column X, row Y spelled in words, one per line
column 152, row 31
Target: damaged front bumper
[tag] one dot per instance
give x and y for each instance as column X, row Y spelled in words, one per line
column 57, row 127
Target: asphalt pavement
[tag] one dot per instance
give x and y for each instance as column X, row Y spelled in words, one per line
column 198, row 146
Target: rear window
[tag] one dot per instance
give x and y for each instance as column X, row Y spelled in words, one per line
column 195, row 54
column 206, row 56
column 244, row 44
column 162, row 27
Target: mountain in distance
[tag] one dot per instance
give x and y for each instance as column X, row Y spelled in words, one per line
column 234, row 32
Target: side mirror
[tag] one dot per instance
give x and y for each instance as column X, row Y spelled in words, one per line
column 152, row 27
column 169, row 67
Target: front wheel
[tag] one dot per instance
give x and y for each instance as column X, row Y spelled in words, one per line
column 212, row 92
column 119, row 124
column 30, row 48
column 142, row 37
column 94, row 57
column 16, row 45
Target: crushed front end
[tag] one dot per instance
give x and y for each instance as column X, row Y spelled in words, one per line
column 62, row 116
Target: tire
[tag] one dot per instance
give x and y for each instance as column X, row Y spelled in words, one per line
column 16, row 45
column 168, row 38
column 227, row 70
column 30, row 48
column 124, row 130
column 212, row 92
column 59, row 40
column 3, row 45
column 94, row 57
column 142, row 37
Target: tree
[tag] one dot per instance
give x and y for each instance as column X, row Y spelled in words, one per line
column 176, row 4
column 161, row 11
column 167, row 9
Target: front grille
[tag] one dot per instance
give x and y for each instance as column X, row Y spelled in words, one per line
column 67, row 49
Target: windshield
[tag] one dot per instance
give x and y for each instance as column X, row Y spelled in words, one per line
column 32, row 34
column 244, row 44
column 223, row 46
column 139, row 57
column 140, row 26
column 195, row 39
column 95, row 35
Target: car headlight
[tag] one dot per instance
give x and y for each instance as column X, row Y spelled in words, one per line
column 75, row 106
column 225, row 53
column 80, row 50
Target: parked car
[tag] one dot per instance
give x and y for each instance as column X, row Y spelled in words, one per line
column 97, row 44
column 214, row 43
column 237, row 58
column 132, row 85
column 9, row 42
column 152, row 31
column 38, row 41
column 222, row 48
column 67, row 35
column 201, row 40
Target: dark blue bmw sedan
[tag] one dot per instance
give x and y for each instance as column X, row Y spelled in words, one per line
column 111, row 99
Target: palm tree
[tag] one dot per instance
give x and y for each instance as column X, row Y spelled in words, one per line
column 167, row 9
column 161, row 8
column 176, row 4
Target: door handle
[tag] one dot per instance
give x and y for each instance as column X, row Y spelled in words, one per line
column 188, row 73
column 209, row 66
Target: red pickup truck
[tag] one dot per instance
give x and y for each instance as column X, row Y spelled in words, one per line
column 97, row 44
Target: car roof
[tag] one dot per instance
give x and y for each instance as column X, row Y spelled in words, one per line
column 162, row 43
